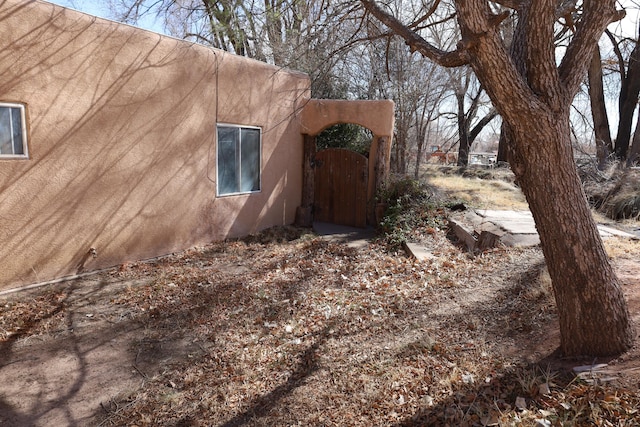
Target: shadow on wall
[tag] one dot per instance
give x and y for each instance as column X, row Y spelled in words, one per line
column 122, row 144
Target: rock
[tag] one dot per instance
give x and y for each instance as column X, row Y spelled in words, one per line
column 419, row 252
column 488, row 240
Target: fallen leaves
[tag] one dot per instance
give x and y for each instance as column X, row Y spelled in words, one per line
column 288, row 331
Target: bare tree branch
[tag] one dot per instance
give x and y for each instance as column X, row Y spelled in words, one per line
column 414, row 41
column 597, row 14
column 618, row 53
column 473, row 134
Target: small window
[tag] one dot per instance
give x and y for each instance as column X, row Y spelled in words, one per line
column 238, row 159
column 13, row 135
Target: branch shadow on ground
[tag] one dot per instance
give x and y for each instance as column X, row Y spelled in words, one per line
column 43, row 403
column 526, row 318
column 307, row 365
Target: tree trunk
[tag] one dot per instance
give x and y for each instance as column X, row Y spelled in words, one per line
column 463, row 133
column 628, row 100
column 635, row 145
column 400, row 148
column 502, row 146
column 593, row 316
column 601, row 128
column 463, row 150
column 420, row 139
column 533, row 95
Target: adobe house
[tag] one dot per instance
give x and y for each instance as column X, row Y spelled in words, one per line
column 119, row 144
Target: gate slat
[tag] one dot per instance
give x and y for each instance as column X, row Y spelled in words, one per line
column 341, row 178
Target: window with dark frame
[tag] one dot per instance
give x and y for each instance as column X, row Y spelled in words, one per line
column 238, row 159
column 13, row 135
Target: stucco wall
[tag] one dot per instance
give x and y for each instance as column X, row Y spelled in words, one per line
column 121, row 128
column 377, row 116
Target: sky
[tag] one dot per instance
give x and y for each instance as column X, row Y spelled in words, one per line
column 101, row 8
column 629, row 26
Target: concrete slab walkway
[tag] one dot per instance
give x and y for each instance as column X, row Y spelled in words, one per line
column 485, row 228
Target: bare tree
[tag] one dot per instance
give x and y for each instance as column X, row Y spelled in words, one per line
column 533, row 95
column 426, row 114
column 469, row 100
column 604, row 145
column 628, row 99
column 416, row 85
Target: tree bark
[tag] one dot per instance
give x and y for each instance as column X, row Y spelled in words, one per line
column 503, row 155
column 593, row 316
column 420, row 140
column 601, row 127
column 627, row 104
column 463, row 133
column 592, row 311
column 533, row 95
column 635, row 144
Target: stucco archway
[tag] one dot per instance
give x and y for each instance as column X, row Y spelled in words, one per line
column 377, row 116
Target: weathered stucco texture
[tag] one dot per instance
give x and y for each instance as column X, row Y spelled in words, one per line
column 122, row 133
column 377, row 116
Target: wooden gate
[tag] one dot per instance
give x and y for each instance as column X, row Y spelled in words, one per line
column 340, row 195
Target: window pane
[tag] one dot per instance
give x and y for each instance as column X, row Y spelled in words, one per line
column 228, row 153
column 250, row 155
column 6, row 146
column 16, row 118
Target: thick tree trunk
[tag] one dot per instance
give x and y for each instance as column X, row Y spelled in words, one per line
column 502, row 146
column 593, row 315
column 463, row 152
column 533, row 95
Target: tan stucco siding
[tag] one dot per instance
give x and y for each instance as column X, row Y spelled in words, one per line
column 377, row 116
column 122, row 126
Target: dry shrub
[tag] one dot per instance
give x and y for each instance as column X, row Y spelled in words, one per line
column 614, row 192
column 619, row 196
column 625, row 203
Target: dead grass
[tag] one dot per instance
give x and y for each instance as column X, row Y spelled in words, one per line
column 614, row 192
column 619, row 248
column 483, row 189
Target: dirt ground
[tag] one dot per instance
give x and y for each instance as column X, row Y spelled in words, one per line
column 303, row 331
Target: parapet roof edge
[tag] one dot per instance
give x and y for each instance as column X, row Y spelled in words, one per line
column 170, row 37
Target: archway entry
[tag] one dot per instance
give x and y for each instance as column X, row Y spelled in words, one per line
column 337, row 183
